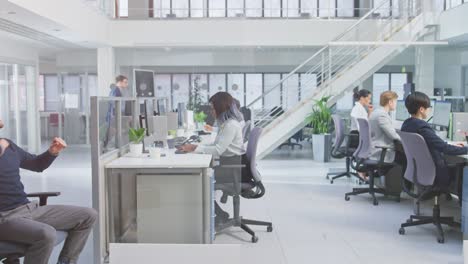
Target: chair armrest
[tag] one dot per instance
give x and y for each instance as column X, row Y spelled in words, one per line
column 385, row 147
column 43, row 196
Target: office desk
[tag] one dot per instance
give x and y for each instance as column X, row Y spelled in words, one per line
column 166, row 200
column 463, row 181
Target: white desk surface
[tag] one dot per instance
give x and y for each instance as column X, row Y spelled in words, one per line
column 170, row 161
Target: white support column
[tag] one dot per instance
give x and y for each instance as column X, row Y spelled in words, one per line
column 424, row 76
column 31, row 108
column 106, row 69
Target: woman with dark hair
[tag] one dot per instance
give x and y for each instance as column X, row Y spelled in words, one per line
column 363, row 100
column 229, row 141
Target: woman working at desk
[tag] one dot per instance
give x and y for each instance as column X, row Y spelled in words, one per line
column 363, row 99
column 229, row 141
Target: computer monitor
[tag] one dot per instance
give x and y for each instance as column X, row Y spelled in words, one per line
column 441, row 113
column 401, row 111
column 144, row 83
column 458, row 103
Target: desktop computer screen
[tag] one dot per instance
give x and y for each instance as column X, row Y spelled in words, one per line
column 401, row 112
column 441, row 113
column 144, row 83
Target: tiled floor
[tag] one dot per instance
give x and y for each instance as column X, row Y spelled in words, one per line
column 312, row 221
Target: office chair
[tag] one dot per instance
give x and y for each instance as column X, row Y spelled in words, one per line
column 339, row 151
column 298, row 137
column 421, row 172
column 246, row 130
column 247, row 113
column 236, row 184
column 374, row 168
column 11, row 252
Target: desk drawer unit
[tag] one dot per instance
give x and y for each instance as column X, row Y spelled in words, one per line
column 170, row 209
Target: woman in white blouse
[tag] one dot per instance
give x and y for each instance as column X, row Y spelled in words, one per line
column 363, row 100
column 229, row 141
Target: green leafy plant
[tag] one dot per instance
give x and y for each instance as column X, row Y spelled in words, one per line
column 321, row 117
column 200, row 117
column 136, row 136
column 195, row 99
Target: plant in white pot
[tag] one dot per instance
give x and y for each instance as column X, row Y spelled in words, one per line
column 200, row 118
column 136, row 137
column 321, row 119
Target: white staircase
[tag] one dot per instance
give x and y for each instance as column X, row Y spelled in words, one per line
column 352, row 57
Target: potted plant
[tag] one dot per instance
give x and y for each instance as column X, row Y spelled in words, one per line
column 320, row 120
column 200, row 118
column 136, row 137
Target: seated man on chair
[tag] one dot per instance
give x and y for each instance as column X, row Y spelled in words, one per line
column 418, row 105
column 25, row 222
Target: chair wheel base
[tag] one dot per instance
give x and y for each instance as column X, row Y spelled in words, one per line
column 401, row 231
column 440, row 240
column 331, row 181
column 328, row 177
column 376, row 202
column 346, row 198
column 254, row 239
column 270, row 229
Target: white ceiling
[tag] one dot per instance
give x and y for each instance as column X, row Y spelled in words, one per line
column 27, row 25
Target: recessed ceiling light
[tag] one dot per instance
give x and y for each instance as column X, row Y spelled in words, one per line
column 11, row 13
column 56, row 29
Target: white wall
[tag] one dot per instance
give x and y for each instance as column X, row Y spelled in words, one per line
column 226, row 32
column 448, row 70
column 17, row 52
column 453, row 22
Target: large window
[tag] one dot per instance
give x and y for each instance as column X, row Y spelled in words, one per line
column 180, row 89
column 251, row 8
column 236, row 87
column 200, row 82
column 328, row 8
column 235, row 8
column 388, row 82
column 254, row 88
column 290, row 91
column 163, row 88
column 217, row 8
column 270, row 82
column 272, row 8
column 254, row 8
column 217, row 83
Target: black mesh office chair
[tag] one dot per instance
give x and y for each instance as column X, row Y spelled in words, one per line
column 234, row 180
column 339, row 151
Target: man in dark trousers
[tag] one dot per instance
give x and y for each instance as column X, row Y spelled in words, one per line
column 419, row 106
column 26, row 222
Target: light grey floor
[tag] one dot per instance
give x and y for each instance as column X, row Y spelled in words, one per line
column 312, row 221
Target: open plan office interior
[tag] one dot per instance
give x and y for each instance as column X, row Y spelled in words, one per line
column 232, row 131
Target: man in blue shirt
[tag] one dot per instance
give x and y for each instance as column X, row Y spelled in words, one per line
column 28, row 223
column 121, row 83
column 419, row 107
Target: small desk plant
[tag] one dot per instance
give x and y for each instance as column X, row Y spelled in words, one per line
column 200, row 118
column 136, row 137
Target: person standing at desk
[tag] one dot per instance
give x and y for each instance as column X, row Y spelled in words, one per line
column 419, row 107
column 363, row 99
column 229, row 141
column 117, row 90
